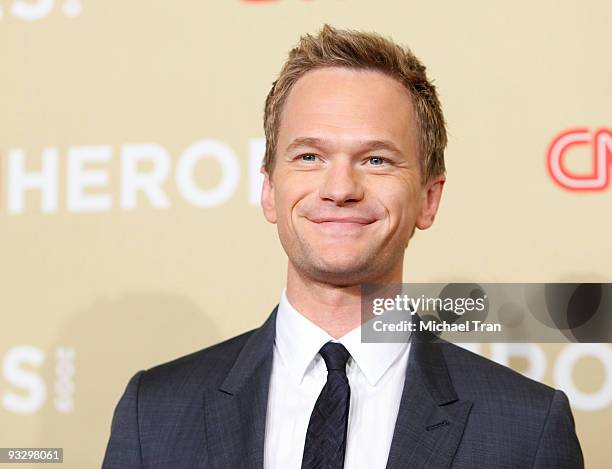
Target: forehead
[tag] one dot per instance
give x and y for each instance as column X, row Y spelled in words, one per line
column 343, row 104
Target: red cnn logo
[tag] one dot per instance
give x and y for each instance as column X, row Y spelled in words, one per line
column 601, row 144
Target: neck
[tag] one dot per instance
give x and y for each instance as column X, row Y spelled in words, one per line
column 335, row 309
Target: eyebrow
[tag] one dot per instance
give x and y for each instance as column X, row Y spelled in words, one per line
column 366, row 145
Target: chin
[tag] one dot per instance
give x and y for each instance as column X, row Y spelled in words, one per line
column 341, row 277
column 337, row 257
column 347, row 270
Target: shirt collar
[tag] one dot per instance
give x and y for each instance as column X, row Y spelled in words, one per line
column 298, row 341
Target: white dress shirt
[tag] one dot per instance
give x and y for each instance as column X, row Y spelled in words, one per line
column 375, row 373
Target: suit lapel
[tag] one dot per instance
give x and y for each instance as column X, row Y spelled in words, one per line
column 429, row 426
column 236, row 412
column 431, row 418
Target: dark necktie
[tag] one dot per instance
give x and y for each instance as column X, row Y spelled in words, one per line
column 326, row 435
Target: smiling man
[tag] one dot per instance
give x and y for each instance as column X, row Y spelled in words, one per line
column 345, row 188
column 354, row 164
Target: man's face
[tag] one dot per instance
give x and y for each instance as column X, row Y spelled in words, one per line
column 346, row 190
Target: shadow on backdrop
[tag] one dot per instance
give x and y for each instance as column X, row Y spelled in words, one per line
column 112, row 339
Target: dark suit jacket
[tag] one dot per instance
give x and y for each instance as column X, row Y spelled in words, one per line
column 458, row 409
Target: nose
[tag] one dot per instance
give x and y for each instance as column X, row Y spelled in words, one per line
column 341, row 184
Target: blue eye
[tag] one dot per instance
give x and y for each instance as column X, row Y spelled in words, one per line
column 308, row 157
column 376, row 160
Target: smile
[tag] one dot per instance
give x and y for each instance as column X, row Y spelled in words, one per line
column 342, row 226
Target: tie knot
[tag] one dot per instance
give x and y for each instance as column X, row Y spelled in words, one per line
column 335, row 356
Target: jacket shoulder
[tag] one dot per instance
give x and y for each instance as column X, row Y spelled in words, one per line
column 515, row 420
column 202, row 369
column 475, row 376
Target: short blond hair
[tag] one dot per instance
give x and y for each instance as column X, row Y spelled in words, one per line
column 362, row 51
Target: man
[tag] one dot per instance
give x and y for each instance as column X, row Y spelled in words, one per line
column 354, row 163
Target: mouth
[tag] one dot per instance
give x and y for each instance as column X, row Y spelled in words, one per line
column 342, row 225
column 354, row 220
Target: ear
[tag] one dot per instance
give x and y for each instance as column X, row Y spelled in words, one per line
column 430, row 201
column 268, row 203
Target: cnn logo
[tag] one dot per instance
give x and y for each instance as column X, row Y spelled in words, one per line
column 600, row 143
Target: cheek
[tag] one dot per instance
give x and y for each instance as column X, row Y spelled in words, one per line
column 287, row 201
column 296, row 188
column 401, row 201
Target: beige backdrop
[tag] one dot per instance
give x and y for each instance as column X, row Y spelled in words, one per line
column 105, row 272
